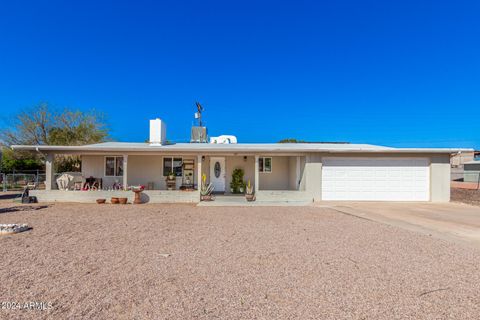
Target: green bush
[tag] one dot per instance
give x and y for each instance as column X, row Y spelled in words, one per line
column 237, row 181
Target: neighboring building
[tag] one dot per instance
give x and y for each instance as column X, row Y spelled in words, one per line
column 471, row 171
column 291, row 171
column 459, row 158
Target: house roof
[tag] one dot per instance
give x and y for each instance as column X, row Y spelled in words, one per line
column 473, row 162
column 233, row 148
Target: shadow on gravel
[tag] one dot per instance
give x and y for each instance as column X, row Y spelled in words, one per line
column 21, row 208
column 10, row 196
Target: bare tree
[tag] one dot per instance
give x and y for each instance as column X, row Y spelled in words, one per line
column 43, row 125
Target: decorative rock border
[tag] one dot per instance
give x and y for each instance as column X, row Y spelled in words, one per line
column 13, row 228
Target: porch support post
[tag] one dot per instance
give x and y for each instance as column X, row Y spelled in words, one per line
column 125, row 171
column 257, row 175
column 49, row 171
column 297, row 172
column 199, row 172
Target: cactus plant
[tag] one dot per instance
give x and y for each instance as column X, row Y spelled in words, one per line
column 249, row 195
column 249, row 188
column 206, row 189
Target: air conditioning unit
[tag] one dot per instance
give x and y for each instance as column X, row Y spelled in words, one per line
column 199, row 135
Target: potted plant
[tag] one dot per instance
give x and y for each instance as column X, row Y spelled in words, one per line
column 206, row 190
column 237, row 185
column 250, row 195
column 171, row 181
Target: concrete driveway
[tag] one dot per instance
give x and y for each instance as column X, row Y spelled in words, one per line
column 450, row 221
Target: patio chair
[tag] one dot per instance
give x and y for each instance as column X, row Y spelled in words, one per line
column 32, row 185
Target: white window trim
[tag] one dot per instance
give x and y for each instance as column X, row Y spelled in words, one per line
column 114, row 166
column 271, row 165
column 171, row 158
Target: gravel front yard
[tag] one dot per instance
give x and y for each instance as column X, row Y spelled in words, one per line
column 186, row 262
column 466, row 196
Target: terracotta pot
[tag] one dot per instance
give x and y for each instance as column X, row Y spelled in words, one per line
column 250, row 197
column 123, row 200
column 114, row 200
column 207, row 198
column 101, row 201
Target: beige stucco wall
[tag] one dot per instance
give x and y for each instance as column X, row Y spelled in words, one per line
column 440, row 178
column 282, row 177
column 303, row 179
column 313, row 176
column 140, row 171
column 292, row 173
column 278, row 179
column 145, row 169
column 94, row 166
column 233, row 163
column 206, row 168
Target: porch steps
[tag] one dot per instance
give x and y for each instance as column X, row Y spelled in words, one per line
column 240, row 201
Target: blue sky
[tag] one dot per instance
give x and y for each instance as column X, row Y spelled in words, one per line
column 399, row 73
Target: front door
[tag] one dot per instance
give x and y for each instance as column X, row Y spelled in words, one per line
column 217, row 174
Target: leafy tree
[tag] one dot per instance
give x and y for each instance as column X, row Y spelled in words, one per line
column 19, row 161
column 43, row 125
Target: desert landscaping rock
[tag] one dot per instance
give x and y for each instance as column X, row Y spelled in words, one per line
column 231, row 263
column 13, row 228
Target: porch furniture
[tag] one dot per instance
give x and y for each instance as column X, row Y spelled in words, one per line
column 117, row 185
column 187, row 180
column 77, row 186
column 171, row 183
column 92, row 183
column 67, row 180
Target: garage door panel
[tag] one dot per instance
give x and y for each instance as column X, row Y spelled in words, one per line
column 374, row 179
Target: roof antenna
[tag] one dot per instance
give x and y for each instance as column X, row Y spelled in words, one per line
column 198, row 114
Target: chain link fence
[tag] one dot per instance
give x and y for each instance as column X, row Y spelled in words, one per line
column 471, row 176
column 18, row 181
column 465, row 179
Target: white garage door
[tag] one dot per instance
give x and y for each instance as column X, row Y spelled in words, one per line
column 376, row 179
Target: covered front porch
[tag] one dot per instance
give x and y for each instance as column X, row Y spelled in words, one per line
column 274, row 177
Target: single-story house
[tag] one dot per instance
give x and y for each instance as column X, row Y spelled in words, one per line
column 283, row 171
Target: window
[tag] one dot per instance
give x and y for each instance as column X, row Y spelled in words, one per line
column 174, row 165
column 113, row 166
column 265, row 164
